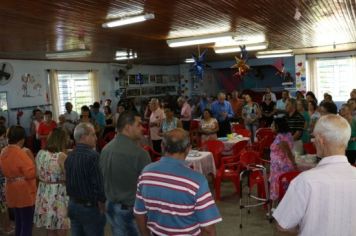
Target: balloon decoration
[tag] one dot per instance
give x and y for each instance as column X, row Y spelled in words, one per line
column 241, row 63
column 199, row 65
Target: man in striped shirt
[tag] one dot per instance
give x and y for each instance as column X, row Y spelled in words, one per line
column 171, row 198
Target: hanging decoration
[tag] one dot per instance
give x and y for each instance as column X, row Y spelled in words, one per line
column 122, row 72
column 279, row 65
column 241, row 63
column 199, row 64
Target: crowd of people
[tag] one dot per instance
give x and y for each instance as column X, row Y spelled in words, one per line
column 66, row 182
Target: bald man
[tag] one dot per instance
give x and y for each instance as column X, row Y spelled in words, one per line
column 172, row 198
column 321, row 201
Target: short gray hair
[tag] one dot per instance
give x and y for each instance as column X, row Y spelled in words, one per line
column 334, row 129
column 82, row 129
column 175, row 141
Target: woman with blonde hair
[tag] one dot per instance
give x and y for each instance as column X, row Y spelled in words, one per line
column 52, row 199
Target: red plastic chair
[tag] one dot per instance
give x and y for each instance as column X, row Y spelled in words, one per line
column 194, row 124
column 244, row 132
column 309, row 148
column 239, row 147
column 195, row 138
column 215, row 147
column 155, row 156
column 236, row 127
column 109, row 136
column 255, row 178
column 145, row 129
column 263, row 132
column 284, row 181
column 229, row 170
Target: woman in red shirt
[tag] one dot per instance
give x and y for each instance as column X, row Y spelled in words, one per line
column 45, row 128
column 19, row 171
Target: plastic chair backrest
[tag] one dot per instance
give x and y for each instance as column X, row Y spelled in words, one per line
column 155, row 156
column 238, row 147
column 236, row 127
column 109, row 136
column 262, row 132
column 231, row 163
column 215, row 147
column 309, row 148
column 244, row 132
column 249, row 157
column 194, row 124
column 284, row 181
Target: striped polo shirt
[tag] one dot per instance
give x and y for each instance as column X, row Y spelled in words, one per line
column 295, row 122
column 175, row 198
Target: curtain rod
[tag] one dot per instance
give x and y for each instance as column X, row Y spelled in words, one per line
column 29, row 107
column 90, row 70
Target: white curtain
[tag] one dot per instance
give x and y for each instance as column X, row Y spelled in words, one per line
column 312, row 75
column 93, row 78
column 53, row 85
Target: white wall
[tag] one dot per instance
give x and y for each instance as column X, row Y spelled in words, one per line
column 106, row 74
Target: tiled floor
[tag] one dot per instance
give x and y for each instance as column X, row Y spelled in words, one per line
column 254, row 224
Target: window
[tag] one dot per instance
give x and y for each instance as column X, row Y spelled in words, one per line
column 74, row 87
column 336, row 76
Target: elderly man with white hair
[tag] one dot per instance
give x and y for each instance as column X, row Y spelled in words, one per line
column 321, row 201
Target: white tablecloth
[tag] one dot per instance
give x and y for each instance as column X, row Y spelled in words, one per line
column 204, row 163
column 304, row 164
column 228, row 145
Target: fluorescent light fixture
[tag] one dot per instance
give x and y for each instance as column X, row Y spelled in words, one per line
column 242, row 40
column 231, row 49
column 128, row 20
column 189, row 60
column 275, row 53
column 125, row 57
column 204, row 39
column 68, row 54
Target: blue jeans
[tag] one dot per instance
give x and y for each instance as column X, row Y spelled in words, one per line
column 85, row 221
column 122, row 220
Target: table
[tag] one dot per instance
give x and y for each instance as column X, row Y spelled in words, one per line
column 304, row 164
column 229, row 143
column 204, row 163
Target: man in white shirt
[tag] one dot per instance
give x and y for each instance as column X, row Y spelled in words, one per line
column 281, row 103
column 185, row 112
column 321, row 201
column 273, row 95
column 71, row 117
column 155, row 122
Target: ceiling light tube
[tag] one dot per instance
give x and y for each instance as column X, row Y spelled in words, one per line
column 68, row 54
column 128, row 20
column 189, row 60
column 275, row 53
column 120, row 58
column 204, row 39
column 251, row 47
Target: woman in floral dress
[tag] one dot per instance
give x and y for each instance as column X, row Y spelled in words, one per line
column 52, row 199
column 282, row 159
